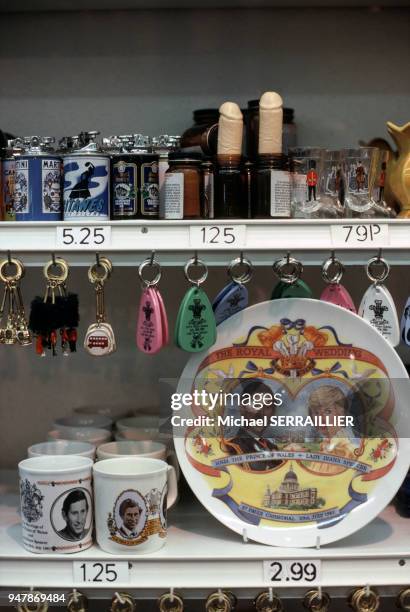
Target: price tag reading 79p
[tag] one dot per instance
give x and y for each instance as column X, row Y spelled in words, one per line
column 360, row 235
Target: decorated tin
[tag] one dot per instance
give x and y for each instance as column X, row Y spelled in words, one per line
column 87, row 182
column 37, row 181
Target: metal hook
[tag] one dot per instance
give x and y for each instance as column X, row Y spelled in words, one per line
column 379, row 255
column 97, row 259
column 151, row 261
column 9, row 257
column 270, row 594
column 171, row 593
column 196, row 257
column 120, row 599
column 241, row 257
column 75, row 594
column 287, row 257
column 319, row 590
column 332, row 256
column 368, row 585
column 53, row 258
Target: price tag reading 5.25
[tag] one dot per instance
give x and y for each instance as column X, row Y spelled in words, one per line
column 101, row 572
column 217, row 236
column 87, row 237
column 286, row 572
column 363, row 234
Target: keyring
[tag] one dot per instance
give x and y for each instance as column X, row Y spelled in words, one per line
column 194, row 261
column 93, row 272
column 317, row 602
column 246, row 276
column 122, row 602
column 61, row 265
column 77, row 602
column 150, row 264
column 364, row 600
column 337, row 266
column 372, row 263
column 403, row 599
column 268, row 602
column 7, row 278
column 291, row 276
column 218, row 602
column 170, row 602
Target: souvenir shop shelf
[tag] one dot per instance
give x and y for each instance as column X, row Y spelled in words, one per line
column 202, row 554
column 213, row 238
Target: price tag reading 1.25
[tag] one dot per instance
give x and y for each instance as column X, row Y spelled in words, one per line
column 217, row 236
column 101, row 572
column 360, row 235
column 287, row 572
column 83, row 237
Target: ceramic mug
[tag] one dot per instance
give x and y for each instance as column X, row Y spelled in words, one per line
column 56, row 503
column 77, row 420
column 62, row 447
column 141, row 427
column 82, row 434
column 132, row 495
column 139, row 448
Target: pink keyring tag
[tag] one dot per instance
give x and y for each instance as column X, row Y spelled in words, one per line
column 164, row 318
column 149, row 325
column 335, row 293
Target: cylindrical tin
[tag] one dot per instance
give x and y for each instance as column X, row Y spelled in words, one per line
column 148, row 186
column 8, row 170
column 37, row 191
column 86, row 186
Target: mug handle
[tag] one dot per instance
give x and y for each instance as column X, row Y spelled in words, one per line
column 172, row 459
column 172, row 486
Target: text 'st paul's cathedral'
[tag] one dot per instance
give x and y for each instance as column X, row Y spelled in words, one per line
column 290, row 494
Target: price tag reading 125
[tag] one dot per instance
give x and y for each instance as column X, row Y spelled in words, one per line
column 101, row 572
column 217, row 236
column 287, row 572
column 83, row 237
column 363, row 234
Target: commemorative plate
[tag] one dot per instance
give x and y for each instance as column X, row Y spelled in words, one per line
column 298, row 433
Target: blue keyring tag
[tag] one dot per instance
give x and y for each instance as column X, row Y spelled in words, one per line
column 231, row 299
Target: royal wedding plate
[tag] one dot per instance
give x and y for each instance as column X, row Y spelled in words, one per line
column 298, row 432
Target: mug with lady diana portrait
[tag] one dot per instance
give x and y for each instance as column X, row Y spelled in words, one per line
column 132, row 495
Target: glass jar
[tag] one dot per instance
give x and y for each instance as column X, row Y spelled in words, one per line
column 183, row 186
column 229, row 196
column 203, row 135
column 271, row 198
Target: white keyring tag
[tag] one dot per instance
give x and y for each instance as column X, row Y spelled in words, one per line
column 378, row 308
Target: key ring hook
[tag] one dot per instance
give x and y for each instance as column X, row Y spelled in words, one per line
column 218, row 602
column 241, row 262
column 122, row 602
column 153, row 264
column 19, row 273
column 373, row 264
column 37, row 606
column 364, row 599
column 403, row 599
column 195, row 262
column 288, row 269
column 268, row 602
column 317, row 601
column 94, row 271
column 338, row 270
column 171, row 602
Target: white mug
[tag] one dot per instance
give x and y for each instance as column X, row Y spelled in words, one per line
column 77, row 420
column 56, row 503
column 141, row 427
column 82, row 434
column 62, row 447
column 139, row 448
column 132, row 495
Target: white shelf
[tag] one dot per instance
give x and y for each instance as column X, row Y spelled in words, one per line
column 265, row 240
column 201, row 555
column 92, row 5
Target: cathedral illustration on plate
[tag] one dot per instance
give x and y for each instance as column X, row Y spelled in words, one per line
column 290, row 494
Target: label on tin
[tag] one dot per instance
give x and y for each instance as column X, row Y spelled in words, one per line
column 209, row 195
column 21, row 201
column 8, row 180
column 149, row 189
column 174, row 196
column 162, row 168
column 125, row 188
column 51, row 182
column 86, row 192
column 279, row 193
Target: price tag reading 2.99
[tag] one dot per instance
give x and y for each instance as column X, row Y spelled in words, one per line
column 217, row 236
column 83, row 237
column 99, row 572
column 286, row 572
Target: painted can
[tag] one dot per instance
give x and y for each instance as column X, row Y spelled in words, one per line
column 124, row 186
column 149, row 188
column 8, row 170
column 37, row 187
column 86, row 186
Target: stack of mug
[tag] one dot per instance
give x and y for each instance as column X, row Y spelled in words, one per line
column 129, row 489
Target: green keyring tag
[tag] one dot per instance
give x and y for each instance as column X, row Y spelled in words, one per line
column 298, row 289
column 278, row 290
column 195, row 330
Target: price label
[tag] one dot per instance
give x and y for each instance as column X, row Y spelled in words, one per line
column 362, row 235
column 287, row 572
column 217, row 236
column 101, row 572
column 83, row 237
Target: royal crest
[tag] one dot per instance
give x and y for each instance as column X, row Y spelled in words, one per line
column 31, row 501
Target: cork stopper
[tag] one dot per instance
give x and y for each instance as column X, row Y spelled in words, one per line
column 230, row 129
column 270, row 124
